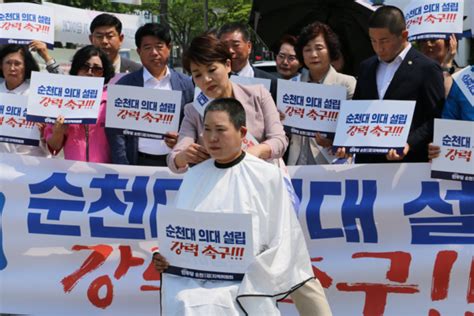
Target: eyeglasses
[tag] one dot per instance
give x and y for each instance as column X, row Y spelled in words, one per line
column 290, row 58
column 96, row 70
column 13, row 63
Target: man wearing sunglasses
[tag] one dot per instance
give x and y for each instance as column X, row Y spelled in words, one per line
column 153, row 46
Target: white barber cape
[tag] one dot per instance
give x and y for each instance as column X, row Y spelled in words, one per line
column 282, row 263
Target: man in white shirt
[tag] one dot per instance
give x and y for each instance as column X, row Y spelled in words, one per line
column 399, row 72
column 153, row 46
column 236, row 37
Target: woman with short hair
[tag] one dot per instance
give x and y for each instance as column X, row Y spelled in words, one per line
column 209, row 63
column 316, row 48
column 17, row 66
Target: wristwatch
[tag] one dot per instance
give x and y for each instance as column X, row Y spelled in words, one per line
column 449, row 70
column 50, row 62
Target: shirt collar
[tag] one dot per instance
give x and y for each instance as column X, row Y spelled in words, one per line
column 400, row 56
column 117, row 63
column 230, row 164
column 21, row 89
column 147, row 75
column 247, row 71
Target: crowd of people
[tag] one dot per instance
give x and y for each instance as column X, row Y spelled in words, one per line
column 397, row 71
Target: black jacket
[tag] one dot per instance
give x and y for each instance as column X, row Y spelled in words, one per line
column 418, row 79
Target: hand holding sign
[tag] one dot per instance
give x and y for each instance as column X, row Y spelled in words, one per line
column 395, row 155
column 433, row 151
column 160, row 262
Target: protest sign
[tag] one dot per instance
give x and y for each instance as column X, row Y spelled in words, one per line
column 455, row 162
column 373, row 126
column 77, row 98
column 434, row 18
column 309, row 107
column 143, row 112
column 89, row 231
column 251, row 81
column 206, row 245
column 20, row 23
column 200, row 101
column 72, row 24
column 465, row 81
column 248, row 141
column 14, row 128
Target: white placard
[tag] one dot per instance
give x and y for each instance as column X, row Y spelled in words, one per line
column 373, row 126
column 465, row 81
column 434, row 18
column 200, row 101
column 143, row 112
column 206, row 245
column 14, row 128
column 20, row 23
column 309, row 107
column 248, row 81
column 77, row 98
column 455, row 162
column 249, row 141
column 72, row 24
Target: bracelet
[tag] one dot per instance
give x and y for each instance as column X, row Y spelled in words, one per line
column 449, row 70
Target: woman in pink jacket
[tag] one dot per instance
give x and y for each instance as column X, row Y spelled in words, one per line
column 209, row 60
column 84, row 142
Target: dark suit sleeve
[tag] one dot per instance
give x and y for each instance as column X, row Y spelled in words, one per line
column 118, row 147
column 265, row 75
column 360, row 92
column 117, row 141
column 430, row 101
column 128, row 65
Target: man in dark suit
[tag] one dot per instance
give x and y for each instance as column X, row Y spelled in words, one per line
column 237, row 39
column 400, row 72
column 106, row 33
column 153, row 46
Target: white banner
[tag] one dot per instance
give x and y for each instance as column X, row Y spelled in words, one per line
column 455, row 162
column 373, row 126
column 76, row 238
column 77, row 98
column 309, row 107
column 143, row 112
column 20, row 23
column 14, row 128
column 72, row 24
column 434, row 18
column 206, row 245
column 246, row 81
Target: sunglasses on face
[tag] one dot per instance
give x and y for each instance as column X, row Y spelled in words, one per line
column 96, row 70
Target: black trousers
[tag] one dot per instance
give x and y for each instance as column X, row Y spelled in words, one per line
column 152, row 160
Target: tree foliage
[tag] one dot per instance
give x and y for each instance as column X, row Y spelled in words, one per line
column 185, row 17
column 98, row 5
